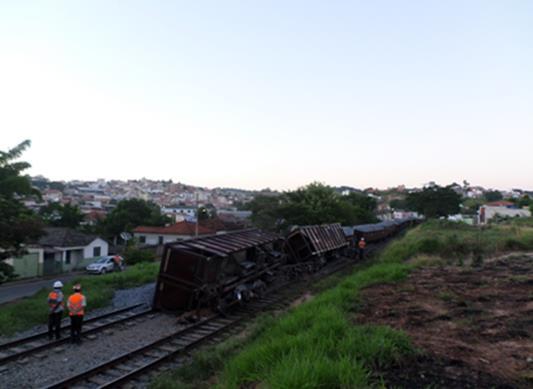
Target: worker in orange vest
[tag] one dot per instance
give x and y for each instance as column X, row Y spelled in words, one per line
column 55, row 310
column 362, row 246
column 76, row 305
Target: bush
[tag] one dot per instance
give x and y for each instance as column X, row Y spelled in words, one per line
column 429, row 246
column 514, row 244
column 133, row 255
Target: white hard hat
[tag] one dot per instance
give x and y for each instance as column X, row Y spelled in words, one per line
column 58, row 284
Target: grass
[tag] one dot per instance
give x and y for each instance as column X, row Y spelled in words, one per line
column 314, row 345
column 99, row 290
column 318, row 344
column 208, row 361
column 458, row 243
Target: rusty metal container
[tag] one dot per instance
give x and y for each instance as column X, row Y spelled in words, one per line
column 199, row 272
column 304, row 243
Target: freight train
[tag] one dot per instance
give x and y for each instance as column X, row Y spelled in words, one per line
column 219, row 270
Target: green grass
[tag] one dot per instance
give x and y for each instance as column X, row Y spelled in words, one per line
column 457, row 241
column 99, row 290
column 318, row 344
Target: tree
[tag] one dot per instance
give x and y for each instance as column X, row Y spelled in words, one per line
column 493, row 195
column 434, row 201
column 265, row 211
column 57, row 215
column 18, row 225
column 315, row 203
column 132, row 213
column 524, row 201
column 398, row 204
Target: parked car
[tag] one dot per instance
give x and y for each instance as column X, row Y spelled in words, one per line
column 103, row 265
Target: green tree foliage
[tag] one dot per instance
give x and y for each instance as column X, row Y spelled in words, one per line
column 207, row 212
column 493, row 195
column 313, row 204
column 435, row 201
column 57, row 215
column 398, row 204
column 265, row 211
column 132, row 213
column 18, row 225
column 524, row 201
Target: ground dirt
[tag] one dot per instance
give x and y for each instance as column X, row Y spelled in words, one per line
column 472, row 326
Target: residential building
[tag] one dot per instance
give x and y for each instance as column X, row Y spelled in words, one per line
column 59, row 250
column 501, row 209
column 161, row 235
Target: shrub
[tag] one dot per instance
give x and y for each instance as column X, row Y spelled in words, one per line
column 514, row 244
column 429, row 246
column 133, row 255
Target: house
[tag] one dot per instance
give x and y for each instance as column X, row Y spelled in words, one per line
column 59, row 250
column 501, row 209
column 180, row 213
column 161, row 235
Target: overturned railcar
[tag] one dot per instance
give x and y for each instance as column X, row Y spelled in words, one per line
column 308, row 242
column 212, row 270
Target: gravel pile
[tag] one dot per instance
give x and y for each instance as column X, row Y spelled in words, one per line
column 126, row 297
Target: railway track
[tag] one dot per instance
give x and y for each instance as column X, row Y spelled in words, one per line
column 39, row 342
column 129, row 366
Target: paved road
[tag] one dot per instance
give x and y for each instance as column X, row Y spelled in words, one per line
column 18, row 289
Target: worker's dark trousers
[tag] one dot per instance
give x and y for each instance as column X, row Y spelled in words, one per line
column 75, row 328
column 54, row 325
column 361, row 254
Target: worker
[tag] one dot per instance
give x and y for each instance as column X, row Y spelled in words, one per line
column 117, row 263
column 55, row 311
column 362, row 246
column 76, row 305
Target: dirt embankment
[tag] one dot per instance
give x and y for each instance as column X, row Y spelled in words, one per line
column 474, row 326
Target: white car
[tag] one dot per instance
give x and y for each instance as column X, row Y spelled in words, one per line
column 103, row 265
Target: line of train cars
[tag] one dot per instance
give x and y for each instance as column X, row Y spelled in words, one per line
column 218, row 270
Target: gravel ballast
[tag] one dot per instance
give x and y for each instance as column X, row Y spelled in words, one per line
column 68, row 359
column 49, row 366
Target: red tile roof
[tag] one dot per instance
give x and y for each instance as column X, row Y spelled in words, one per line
column 501, row 203
column 181, row 228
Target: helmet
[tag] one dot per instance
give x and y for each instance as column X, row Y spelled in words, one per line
column 58, row 284
column 77, row 287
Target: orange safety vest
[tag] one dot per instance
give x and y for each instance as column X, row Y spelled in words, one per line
column 75, row 304
column 52, row 299
column 362, row 244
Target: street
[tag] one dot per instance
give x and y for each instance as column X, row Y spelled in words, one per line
column 18, row 289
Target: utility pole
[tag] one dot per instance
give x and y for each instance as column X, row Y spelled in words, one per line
column 197, row 216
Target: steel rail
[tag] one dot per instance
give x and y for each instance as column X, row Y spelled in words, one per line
column 5, row 347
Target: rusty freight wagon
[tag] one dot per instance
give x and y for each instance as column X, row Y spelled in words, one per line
column 318, row 241
column 213, row 270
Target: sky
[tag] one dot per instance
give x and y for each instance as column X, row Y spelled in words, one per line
column 278, row 94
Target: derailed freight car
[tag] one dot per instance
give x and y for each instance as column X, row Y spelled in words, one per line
column 314, row 242
column 215, row 270
column 376, row 232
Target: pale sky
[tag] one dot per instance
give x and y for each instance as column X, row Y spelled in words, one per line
column 271, row 93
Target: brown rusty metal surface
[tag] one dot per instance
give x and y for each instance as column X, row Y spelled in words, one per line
column 226, row 244
column 322, row 238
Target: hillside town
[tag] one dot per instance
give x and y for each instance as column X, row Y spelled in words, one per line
column 180, row 201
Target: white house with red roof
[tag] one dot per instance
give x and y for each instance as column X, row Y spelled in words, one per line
column 501, row 209
column 172, row 233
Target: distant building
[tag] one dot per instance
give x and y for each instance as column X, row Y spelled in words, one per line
column 501, row 209
column 59, row 250
column 161, row 235
column 180, row 213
